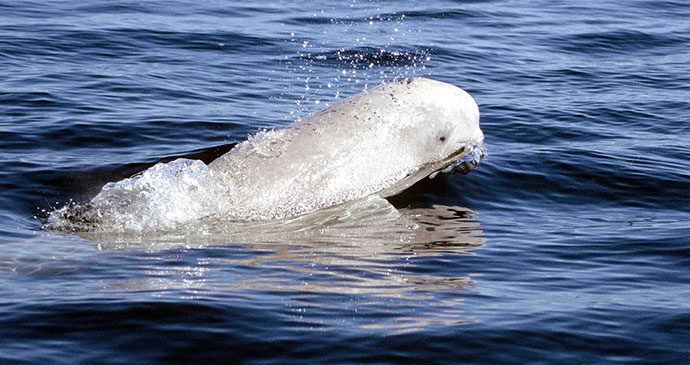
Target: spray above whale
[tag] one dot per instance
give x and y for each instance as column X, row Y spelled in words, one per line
column 378, row 142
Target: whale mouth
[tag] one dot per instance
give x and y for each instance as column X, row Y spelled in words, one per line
column 472, row 160
column 468, row 162
column 462, row 161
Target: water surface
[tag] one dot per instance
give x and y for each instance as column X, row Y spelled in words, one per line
column 567, row 244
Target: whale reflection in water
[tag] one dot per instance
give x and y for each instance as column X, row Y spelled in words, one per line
column 368, row 252
column 369, row 223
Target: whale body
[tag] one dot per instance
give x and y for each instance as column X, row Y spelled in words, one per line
column 371, row 143
column 380, row 142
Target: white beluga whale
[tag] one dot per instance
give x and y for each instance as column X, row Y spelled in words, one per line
column 378, row 142
column 375, row 142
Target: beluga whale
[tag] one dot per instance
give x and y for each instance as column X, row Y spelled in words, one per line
column 376, row 143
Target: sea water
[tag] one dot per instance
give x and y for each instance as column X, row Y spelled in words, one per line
column 568, row 243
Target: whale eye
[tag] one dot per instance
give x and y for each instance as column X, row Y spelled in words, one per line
column 443, row 139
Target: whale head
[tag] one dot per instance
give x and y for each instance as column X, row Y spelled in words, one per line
column 438, row 123
column 451, row 118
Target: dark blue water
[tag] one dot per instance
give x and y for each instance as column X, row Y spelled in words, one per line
column 569, row 243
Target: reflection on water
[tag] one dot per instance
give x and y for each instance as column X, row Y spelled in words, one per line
column 366, row 250
column 364, row 255
column 370, row 224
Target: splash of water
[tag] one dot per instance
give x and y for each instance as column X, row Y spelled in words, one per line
column 353, row 52
column 163, row 197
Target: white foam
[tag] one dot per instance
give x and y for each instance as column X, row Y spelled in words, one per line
column 165, row 196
